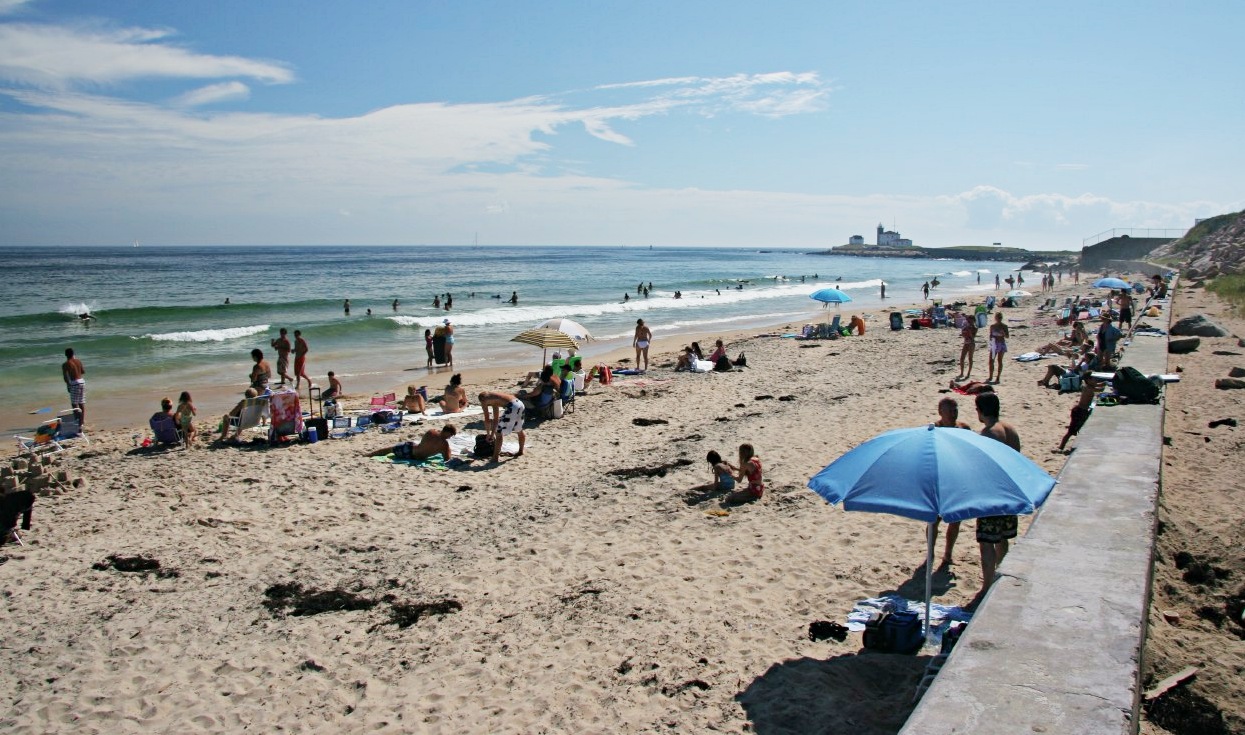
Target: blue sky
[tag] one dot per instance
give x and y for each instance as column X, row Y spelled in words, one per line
column 784, row 124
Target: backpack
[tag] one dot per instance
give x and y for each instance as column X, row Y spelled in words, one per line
column 741, row 361
column 1134, row 387
column 898, row 631
column 723, row 365
column 483, row 448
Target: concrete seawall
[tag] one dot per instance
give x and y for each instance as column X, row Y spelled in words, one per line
column 1056, row 645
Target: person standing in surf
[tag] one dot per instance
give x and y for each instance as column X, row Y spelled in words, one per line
column 282, row 345
column 300, row 359
column 73, row 372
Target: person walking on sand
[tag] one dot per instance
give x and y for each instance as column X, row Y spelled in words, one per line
column 997, row 339
column 968, row 333
column 949, row 417
column 642, row 339
column 282, row 345
column 994, row 532
column 925, row 289
column 503, row 414
column 300, row 359
column 75, row 382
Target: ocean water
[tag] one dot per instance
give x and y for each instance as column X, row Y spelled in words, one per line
column 162, row 325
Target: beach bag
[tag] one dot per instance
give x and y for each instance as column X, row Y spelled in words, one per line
column 1069, row 383
column 741, row 361
column 894, row 632
column 483, row 448
column 555, row 408
column 382, row 417
column 916, row 324
column 723, row 365
column 896, row 321
column 1134, row 387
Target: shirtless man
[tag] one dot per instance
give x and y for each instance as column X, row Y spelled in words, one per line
column 73, row 371
column 994, row 532
column 434, row 441
column 643, row 337
column 282, row 345
column 300, row 359
column 503, row 414
column 1125, row 302
column 949, row 417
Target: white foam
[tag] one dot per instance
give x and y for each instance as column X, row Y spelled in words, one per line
column 961, row 273
column 76, row 309
column 208, row 335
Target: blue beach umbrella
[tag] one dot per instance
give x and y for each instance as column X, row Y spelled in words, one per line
column 830, row 296
column 926, row 474
column 1112, row 283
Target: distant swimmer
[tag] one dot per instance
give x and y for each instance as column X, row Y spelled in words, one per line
column 514, row 297
column 346, row 307
column 226, row 301
column 369, row 312
column 838, row 279
column 86, row 316
column 395, row 304
column 626, row 296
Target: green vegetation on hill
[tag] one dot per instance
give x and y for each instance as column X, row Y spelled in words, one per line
column 1229, row 288
column 1202, row 229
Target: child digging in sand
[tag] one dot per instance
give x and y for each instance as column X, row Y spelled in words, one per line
column 185, row 417
column 749, row 469
column 723, row 480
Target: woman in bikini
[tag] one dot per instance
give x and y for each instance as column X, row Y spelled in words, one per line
column 643, row 337
column 998, row 347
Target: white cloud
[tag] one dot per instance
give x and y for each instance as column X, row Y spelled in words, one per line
column 1071, row 166
column 56, row 57
column 213, row 93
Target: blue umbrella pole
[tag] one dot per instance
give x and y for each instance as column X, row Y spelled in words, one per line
column 930, row 536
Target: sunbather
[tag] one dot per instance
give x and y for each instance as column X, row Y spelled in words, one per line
column 234, row 412
column 455, row 398
column 1080, row 412
column 414, row 400
column 1082, row 363
column 434, row 441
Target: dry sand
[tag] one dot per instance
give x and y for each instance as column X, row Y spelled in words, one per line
column 1199, row 582
column 592, row 585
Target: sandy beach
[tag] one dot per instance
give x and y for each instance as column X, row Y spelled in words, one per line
column 594, row 584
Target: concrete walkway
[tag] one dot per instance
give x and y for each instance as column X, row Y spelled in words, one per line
column 1056, row 645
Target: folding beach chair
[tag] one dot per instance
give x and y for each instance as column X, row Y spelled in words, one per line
column 568, row 396
column 341, row 428
column 164, row 427
column 253, row 412
column 44, row 440
column 387, row 402
column 940, row 317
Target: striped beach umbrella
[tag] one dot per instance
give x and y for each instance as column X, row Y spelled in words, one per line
column 544, row 339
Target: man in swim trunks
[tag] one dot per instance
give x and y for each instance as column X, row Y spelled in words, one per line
column 1125, row 302
column 282, row 345
column 998, row 335
column 434, row 441
column 643, row 337
column 994, row 532
column 503, row 414
column 73, row 372
column 949, row 417
column 300, row 359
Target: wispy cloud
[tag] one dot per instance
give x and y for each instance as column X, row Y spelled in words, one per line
column 213, row 93
column 1072, row 166
column 59, row 57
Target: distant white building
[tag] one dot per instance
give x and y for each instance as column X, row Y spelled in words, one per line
column 856, row 240
column 891, row 239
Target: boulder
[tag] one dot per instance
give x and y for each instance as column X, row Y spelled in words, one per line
column 1236, row 372
column 1230, row 384
column 1198, row 326
column 1183, row 346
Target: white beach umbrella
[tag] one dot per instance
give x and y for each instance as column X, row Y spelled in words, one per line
column 570, row 327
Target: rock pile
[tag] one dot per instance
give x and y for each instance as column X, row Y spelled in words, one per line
column 1222, row 251
column 41, row 474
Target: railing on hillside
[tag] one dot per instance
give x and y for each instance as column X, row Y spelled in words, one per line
column 1132, row 232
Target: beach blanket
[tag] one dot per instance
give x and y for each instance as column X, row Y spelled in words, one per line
column 941, row 616
column 435, row 462
column 434, row 413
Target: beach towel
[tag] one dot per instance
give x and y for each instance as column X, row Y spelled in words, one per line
column 434, row 413
column 464, row 444
column 435, row 462
column 941, row 616
column 1030, row 357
